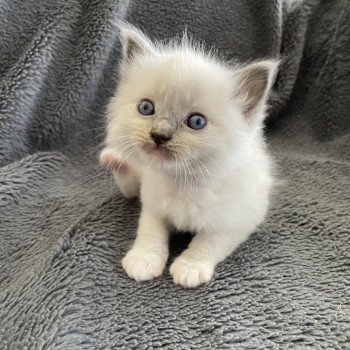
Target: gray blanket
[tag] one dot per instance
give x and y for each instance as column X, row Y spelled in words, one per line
column 64, row 227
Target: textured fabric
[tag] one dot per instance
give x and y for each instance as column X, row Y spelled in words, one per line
column 64, row 227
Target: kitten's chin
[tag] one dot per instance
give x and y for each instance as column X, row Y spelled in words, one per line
column 157, row 154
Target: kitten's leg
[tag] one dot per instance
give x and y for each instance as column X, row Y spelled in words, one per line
column 149, row 253
column 196, row 264
column 126, row 178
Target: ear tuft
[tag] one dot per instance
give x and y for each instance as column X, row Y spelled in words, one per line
column 134, row 42
column 252, row 85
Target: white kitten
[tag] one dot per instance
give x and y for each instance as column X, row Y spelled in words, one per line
column 185, row 132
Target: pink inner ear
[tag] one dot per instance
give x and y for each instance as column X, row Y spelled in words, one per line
column 252, row 85
column 111, row 162
column 255, row 87
column 255, row 83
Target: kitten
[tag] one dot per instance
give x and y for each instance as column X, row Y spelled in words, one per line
column 185, row 133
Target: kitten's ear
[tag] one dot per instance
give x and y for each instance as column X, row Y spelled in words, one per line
column 252, row 85
column 134, row 42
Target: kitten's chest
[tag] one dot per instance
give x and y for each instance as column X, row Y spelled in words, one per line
column 186, row 210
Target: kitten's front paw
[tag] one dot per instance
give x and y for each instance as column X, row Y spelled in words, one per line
column 142, row 265
column 110, row 161
column 126, row 179
column 190, row 273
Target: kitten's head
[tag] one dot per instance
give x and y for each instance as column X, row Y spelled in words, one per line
column 177, row 105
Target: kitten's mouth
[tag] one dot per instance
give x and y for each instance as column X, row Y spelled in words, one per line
column 159, row 152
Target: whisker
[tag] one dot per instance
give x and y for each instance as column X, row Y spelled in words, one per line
column 175, row 171
column 125, row 145
column 215, row 162
column 192, row 175
column 118, row 148
column 200, row 168
column 183, row 167
column 113, row 47
column 133, row 148
column 96, row 148
column 121, row 137
column 187, row 185
column 206, row 169
column 92, row 112
column 88, row 130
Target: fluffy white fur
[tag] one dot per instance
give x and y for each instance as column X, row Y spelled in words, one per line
column 214, row 182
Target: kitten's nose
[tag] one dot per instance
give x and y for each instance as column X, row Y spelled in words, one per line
column 159, row 139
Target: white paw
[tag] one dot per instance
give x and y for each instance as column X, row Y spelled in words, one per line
column 125, row 177
column 110, row 160
column 190, row 273
column 142, row 265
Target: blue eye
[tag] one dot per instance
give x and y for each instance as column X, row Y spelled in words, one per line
column 146, row 107
column 196, row 121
